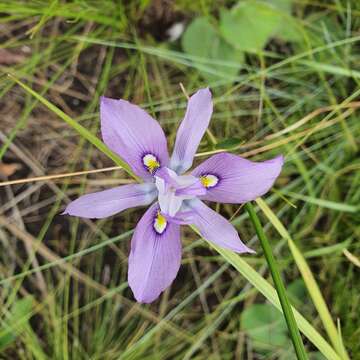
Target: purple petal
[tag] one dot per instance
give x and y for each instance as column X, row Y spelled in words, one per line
column 239, row 180
column 191, row 130
column 214, row 227
column 154, row 258
column 109, row 202
column 192, row 190
column 132, row 133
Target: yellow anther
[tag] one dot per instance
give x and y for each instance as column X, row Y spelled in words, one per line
column 160, row 223
column 151, row 163
column 209, row 180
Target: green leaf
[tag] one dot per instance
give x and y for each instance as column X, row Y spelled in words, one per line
column 18, row 318
column 265, row 326
column 288, row 29
column 297, row 292
column 249, row 25
column 283, row 5
column 210, row 52
column 315, row 355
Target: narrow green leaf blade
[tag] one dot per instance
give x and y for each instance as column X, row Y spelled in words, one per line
column 333, row 205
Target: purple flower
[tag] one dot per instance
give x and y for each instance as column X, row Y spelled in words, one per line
column 137, row 138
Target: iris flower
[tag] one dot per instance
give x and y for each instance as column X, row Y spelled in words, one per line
column 175, row 194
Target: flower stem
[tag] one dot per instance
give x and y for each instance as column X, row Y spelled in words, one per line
column 280, row 288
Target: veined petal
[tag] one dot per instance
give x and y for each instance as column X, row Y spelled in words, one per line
column 192, row 190
column 109, row 202
column 214, row 227
column 191, row 130
column 232, row 179
column 134, row 135
column 155, row 255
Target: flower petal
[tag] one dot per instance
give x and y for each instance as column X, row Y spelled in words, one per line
column 134, row 135
column 232, row 179
column 191, row 130
column 214, row 227
column 155, row 255
column 109, row 202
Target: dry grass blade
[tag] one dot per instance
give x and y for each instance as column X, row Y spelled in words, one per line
column 58, row 176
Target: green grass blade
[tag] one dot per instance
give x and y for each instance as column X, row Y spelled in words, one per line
column 79, row 128
column 333, row 205
column 309, row 280
column 332, row 69
column 280, row 288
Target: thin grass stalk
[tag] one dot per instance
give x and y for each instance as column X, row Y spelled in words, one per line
column 310, row 282
column 279, row 286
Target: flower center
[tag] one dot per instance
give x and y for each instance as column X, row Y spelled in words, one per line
column 173, row 189
column 151, row 162
column 209, row 180
column 160, row 223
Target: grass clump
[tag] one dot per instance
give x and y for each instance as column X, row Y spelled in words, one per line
column 299, row 98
